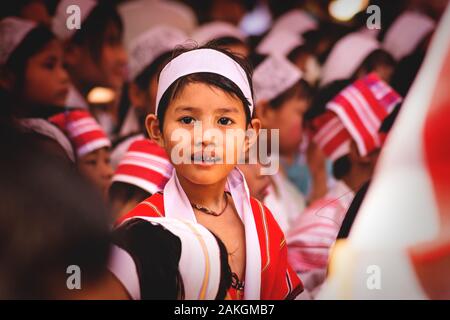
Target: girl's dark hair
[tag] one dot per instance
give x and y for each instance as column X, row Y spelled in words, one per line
column 298, row 51
column 93, row 30
column 300, row 89
column 341, row 167
column 374, row 59
column 225, row 271
column 156, row 252
column 125, row 192
column 227, row 41
column 17, row 62
column 143, row 78
column 208, row 78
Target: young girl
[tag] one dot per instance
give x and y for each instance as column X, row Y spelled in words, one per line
column 91, row 146
column 282, row 97
column 31, row 63
column 33, row 82
column 211, row 88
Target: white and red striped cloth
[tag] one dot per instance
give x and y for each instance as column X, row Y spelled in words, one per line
column 315, row 232
column 83, row 131
column 355, row 113
column 144, row 165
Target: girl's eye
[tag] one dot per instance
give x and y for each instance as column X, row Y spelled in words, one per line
column 187, row 120
column 91, row 162
column 50, row 65
column 225, row 121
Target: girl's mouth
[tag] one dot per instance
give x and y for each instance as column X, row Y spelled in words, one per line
column 202, row 159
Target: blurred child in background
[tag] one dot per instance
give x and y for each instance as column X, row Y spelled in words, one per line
column 348, row 133
column 282, row 97
column 91, row 145
column 148, row 54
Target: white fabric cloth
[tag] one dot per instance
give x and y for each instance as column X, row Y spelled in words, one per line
column 314, row 233
column 286, row 203
column 12, row 32
column 138, row 16
column 279, row 42
column 297, row 21
column 122, row 266
column 274, row 76
column 150, row 45
column 216, row 30
column 45, row 128
column 405, row 34
column 177, row 205
column 199, row 265
column 346, row 56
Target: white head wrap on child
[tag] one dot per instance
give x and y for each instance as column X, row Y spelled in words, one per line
column 279, row 42
column 199, row 265
column 12, row 32
column 152, row 44
column 346, row 56
column 204, row 60
column 216, row 30
column 274, row 76
column 407, row 31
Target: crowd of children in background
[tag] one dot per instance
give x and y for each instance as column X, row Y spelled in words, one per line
column 95, row 183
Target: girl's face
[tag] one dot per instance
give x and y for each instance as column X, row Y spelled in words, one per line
column 210, row 154
column 288, row 118
column 46, row 81
column 96, row 167
column 108, row 71
column 113, row 60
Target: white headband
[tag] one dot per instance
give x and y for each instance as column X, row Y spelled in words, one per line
column 12, row 32
column 199, row 265
column 203, row 60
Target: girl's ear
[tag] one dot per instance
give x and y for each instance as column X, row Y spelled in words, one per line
column 154, row 130
column 250, row 140
column 265, row 113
